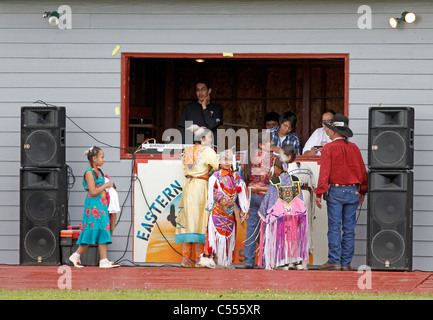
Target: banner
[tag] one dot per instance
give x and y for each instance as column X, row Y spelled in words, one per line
column 157, row 192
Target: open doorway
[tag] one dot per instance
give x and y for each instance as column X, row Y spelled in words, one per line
column 156, row 87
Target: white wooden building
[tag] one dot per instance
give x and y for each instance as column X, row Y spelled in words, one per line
column 81, row 68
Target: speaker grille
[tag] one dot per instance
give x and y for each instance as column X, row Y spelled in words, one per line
column 40, row 243
column 40, row 206
column 389, row 209
column 388, row 246
column 40, row 117
column 389, row 148
column 40, row 147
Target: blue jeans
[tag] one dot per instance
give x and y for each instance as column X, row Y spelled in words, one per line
column 253, row 229
column 342, row 204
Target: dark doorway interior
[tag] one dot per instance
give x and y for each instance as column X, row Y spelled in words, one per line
column 247, row 89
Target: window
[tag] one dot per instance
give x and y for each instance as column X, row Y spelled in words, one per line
column 156, row 87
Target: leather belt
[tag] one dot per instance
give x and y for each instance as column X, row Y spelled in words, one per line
column 258, row 193
column 344, row 185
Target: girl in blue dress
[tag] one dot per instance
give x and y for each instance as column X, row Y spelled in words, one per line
column 96, row 221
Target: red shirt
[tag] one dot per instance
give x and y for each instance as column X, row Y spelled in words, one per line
column 341, row 163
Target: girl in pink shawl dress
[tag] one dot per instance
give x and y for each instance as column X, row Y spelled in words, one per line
column 284, row 221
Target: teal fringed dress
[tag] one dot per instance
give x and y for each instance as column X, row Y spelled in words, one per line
column 96, row 221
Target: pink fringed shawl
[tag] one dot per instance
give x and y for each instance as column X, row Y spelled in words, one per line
column 284, row 226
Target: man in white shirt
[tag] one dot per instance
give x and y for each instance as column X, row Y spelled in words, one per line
column 319, row 137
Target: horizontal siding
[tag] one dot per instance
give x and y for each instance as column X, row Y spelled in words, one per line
column 44, row 65
column 412, row 81
column 57, row 38
column 103, row 51
column 223, row 7
column 62, row 96
column 63, row 81
column 75, row 68
column 391, row 97
column 74, row 110
column 204, row 21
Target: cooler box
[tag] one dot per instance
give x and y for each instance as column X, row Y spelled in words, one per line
column 68, row 245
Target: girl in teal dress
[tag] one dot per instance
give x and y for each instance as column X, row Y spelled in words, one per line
column 96, row 221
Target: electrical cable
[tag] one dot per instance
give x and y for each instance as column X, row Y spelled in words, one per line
column 156, row 222
column 70, row 185
column 359, row 213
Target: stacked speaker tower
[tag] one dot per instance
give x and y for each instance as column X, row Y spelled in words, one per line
column 390, row 190
column 43, row 185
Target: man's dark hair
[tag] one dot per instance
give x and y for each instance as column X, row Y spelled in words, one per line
column 272, row 116
column 291, row 117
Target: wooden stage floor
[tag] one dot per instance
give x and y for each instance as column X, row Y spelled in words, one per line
column 168, row 277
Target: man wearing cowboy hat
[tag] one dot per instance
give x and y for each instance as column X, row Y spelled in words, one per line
column 344, row 178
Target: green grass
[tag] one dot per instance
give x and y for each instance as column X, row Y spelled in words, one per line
column 198, row 295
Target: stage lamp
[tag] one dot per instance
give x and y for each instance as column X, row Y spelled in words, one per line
column 199, row 60
column 406, row 16
column 409, row 17
column 53, row 17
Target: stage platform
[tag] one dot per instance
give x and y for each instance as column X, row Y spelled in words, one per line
column 173, row 277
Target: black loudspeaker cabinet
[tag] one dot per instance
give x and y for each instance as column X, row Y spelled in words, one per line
column 390, row 220
column 391, row 138
column 43, row 136
column 43, row 214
